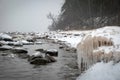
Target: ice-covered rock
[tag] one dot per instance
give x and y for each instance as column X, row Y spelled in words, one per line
column 5, row 47
column 5, row 37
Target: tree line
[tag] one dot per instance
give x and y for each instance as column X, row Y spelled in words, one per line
column 86, row 14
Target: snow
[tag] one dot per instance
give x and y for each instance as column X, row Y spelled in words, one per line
column 102, row 71
column 70, row 38
column 98, row 71
column 5, row 36
column 52, row 50
column 25, row 42
column 6, row 46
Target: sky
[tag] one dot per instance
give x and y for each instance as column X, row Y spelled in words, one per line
column 27, row 15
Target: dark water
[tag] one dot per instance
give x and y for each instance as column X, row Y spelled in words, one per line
column 13, row 67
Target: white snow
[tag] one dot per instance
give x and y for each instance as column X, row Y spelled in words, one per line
column 5, row 36
column 102, row 71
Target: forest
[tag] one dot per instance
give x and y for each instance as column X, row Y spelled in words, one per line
column 86, row 14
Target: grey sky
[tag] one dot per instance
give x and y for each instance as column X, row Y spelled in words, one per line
column 27, row 15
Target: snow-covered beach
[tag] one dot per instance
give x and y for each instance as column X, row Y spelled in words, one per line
column 105, row 69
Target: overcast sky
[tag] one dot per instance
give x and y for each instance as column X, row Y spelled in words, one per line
column 27, row 15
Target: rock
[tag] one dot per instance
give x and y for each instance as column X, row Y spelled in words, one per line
column 0, row 44
column 38, row 42
column 24, row 42
column 41, row 50
column 23, row 56
column 4, row 54
column 50, row 58
column 39, row 61
column 52, row 52
column 61, row 47
column 67, row 49
column 18, row 43
column 19, row 50
column 35, row 55
column 5, row 47
column 5, row 37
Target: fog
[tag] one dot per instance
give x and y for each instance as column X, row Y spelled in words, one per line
column 27, row 15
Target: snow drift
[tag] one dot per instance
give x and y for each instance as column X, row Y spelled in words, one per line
column 102, row 71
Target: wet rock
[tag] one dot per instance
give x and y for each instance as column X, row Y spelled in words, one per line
column 52, row 52
column 73, row 50
column 0, row 44
column 41, row 50
column 5, row 39
column 19, row 50
column 67, row 49
column 61, row 47
column 39, row 61
column 35, row 55
column 31, row 40
column 23, row 56
column 50, row 58
column 4, row 54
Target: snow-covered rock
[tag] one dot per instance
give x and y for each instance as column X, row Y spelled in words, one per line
column 5, row 47
column 5, row 37
column 25, row 42
column 52, row 52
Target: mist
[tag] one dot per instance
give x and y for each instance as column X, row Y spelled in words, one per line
column 27, row 15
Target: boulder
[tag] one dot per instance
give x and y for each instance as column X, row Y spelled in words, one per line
column 39, row 61
column 5, row 37
column 35, row 55
column 52, row 52
column 50, row 58
column 61, row 47
column 19, row 50
column 4, row 54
